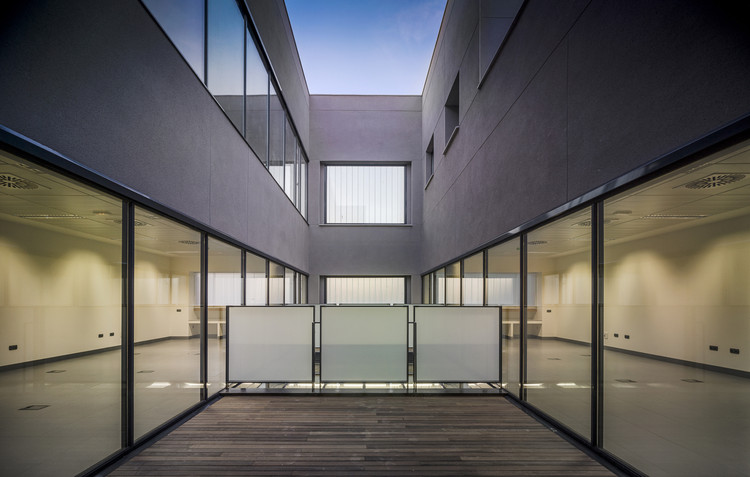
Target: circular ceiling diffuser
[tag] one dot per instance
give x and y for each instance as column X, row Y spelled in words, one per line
column 14, row 182
column 714, row 180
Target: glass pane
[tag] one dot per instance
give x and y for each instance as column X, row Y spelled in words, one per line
column 288, row 286
column 276, row 126
column 271, row 344
column 290, row 155
column 439, row 287
column 453, row 284
column 365, row 290
column 60, row 321
column 226, row 46
column 167, row 319
column 255, row 279
column 473, row 281
column 426, row 288
column 256, row 102
column 504, row 289
column 365, row 194
column 559, row 326
column 363, row 344
column 302, row 289
column 183, row 22
column 303, row 185
column 676, row 305
column 224, row 288
column 275, row 283
column 458, row 344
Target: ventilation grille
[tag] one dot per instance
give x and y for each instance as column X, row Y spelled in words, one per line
column 587, row 222
column 137, row 223
column 714, row 180
column 536, row 242
column 14, row 182
column 189, row 242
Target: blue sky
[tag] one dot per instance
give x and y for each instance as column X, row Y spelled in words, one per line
column 365, row 46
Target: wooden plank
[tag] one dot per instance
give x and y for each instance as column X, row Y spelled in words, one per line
column 370, row 435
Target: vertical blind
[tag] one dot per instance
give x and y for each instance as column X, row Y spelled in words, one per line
column 365, row 195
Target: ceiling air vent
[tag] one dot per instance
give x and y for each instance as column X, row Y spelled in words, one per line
column 189, row 242
column 714, row 180
column 14, row 182
column 536, row 242
column 587, row 223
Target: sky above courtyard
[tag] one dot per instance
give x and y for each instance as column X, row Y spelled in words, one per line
column 365, row 46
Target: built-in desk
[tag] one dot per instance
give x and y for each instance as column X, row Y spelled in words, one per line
column 217, row 326
column 512, row 324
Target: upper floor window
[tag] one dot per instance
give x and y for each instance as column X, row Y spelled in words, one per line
column 365, row 194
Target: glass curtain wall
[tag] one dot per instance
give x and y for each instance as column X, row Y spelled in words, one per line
column 60, row 321
column 289, row 286
column 276, row 126
column 256, row 101
column 290, row 159
column 453, row 283
column 224, row 289
column 472, row 288
column 184, row 23
column 558, row 325
column 167, row 319
column 438, row 287
column 504, row 289
column 677, row 317
column 226, row 53
column 275, row 283
column 256, row 282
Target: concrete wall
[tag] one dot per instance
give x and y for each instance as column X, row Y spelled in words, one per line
column 581, row 93
column 365, row 129
column 100, row 83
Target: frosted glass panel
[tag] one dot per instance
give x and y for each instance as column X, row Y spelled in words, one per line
column 458, row 344
column 365, row 194
column 363, row 343
column 270, row 344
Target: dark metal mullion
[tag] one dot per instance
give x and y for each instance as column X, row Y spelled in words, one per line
column 243, row 277
column 522, row 375
column 268, row 282
column 485, row 275
column 268, row 122
column 597, row 324
column 461, row 282
column 204, row 316
column 127, row 372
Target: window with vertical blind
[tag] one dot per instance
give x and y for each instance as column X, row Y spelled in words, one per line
column 365, row 194
column 365, row 290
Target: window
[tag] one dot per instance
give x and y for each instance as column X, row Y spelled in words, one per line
column 429, row 161
column 450, row 114
column 183, row 21
column 256, row 102
column 453, row 283
column 226, row 50
column 365, row 290
column 276, row 125
column 496, row 19
column 255, row 279
column 365, row 194
column 472, row 288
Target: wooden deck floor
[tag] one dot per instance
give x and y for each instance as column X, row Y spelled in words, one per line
column 362, row 435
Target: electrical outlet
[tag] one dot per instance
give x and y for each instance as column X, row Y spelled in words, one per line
column 549, row 311
column 112, row 333
column 617, row 335
column 713, row 347
column 12, row 347
column 179, row 310
column 734, row 350
column 627, row 337
column 101, row 335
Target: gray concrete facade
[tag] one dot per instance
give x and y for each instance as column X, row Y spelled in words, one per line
column 581, row 93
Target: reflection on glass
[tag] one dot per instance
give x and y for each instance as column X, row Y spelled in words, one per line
column 276, row 125
column 226, row 45
column 367, row 290
column 473, row 282
column 60, row 301
column 224, row 288
column 275, row 283
column 289, row 286
column 183, row 22
column 255, row 279
column 290, row 156
column 504, row 289
column 303, row 184
column 559, row 333
column 453, row 284
column 167, row 320
column 676, row 302
column 302, row 296
column 426, row 289
column 438, row 283
column 256, row 102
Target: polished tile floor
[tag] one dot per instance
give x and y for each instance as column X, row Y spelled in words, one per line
column 665, row 419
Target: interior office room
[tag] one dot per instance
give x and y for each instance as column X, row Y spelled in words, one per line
column 582, row 166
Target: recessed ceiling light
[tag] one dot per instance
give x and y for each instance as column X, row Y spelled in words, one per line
column 49, row 216
column 101, row 212
column 536, row 242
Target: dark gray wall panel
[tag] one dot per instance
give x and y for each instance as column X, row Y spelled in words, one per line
column 100, row 83
column 649, row 78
